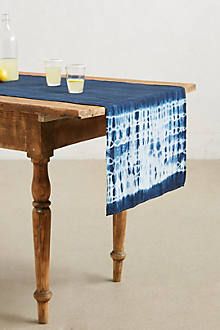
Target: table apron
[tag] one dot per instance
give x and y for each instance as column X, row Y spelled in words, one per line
column 24, row 132
column 69, row 131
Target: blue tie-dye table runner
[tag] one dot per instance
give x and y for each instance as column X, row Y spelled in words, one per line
column 145, row 128
column 146, row 150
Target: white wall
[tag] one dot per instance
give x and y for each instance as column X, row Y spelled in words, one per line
column 160, row 40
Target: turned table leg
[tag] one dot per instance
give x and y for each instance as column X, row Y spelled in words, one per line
column 118, row 254
column 41, row 232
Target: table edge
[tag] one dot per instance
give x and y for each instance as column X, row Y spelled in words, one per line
column 60, row 109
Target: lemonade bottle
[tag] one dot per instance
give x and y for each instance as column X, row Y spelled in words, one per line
column 8, row 50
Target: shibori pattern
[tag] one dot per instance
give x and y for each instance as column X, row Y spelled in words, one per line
column 145, row 128
column 146, row 150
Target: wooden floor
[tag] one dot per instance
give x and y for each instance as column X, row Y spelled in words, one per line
column 171, row 277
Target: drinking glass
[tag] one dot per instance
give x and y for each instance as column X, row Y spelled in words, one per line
column 53, row 68
column 75, row 78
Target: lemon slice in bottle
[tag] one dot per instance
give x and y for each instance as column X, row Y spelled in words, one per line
column 3, row 75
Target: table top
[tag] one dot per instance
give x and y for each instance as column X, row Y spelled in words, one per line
column 49, row 110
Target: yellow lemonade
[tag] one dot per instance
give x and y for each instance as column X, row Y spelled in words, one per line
column 10, row 66
column 75, row 85
column 53, row 75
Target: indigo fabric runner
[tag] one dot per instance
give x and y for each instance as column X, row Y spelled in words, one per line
column 145, row 129
column 146, row 150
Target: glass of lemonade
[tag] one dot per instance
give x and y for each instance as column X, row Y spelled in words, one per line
column 53, row 69
column 75, row 78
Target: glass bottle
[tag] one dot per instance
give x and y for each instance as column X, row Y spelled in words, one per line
column 8, row 49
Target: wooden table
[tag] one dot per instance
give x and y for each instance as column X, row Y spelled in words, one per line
column 38, row 128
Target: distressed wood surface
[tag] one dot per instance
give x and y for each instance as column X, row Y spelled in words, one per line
column 118, row 253
column 41, row 234
column 22, row 131
column 59, row 109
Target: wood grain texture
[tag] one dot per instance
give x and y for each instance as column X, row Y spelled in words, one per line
column 41, row 233
column 13, row 130
column 118, row 254
column 189, row 87
column 23, row 131
column 60, row 109
column 70, row 131
column 50, row 108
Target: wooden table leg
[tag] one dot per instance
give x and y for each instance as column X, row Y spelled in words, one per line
column 41, row 231
column 118, row 254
